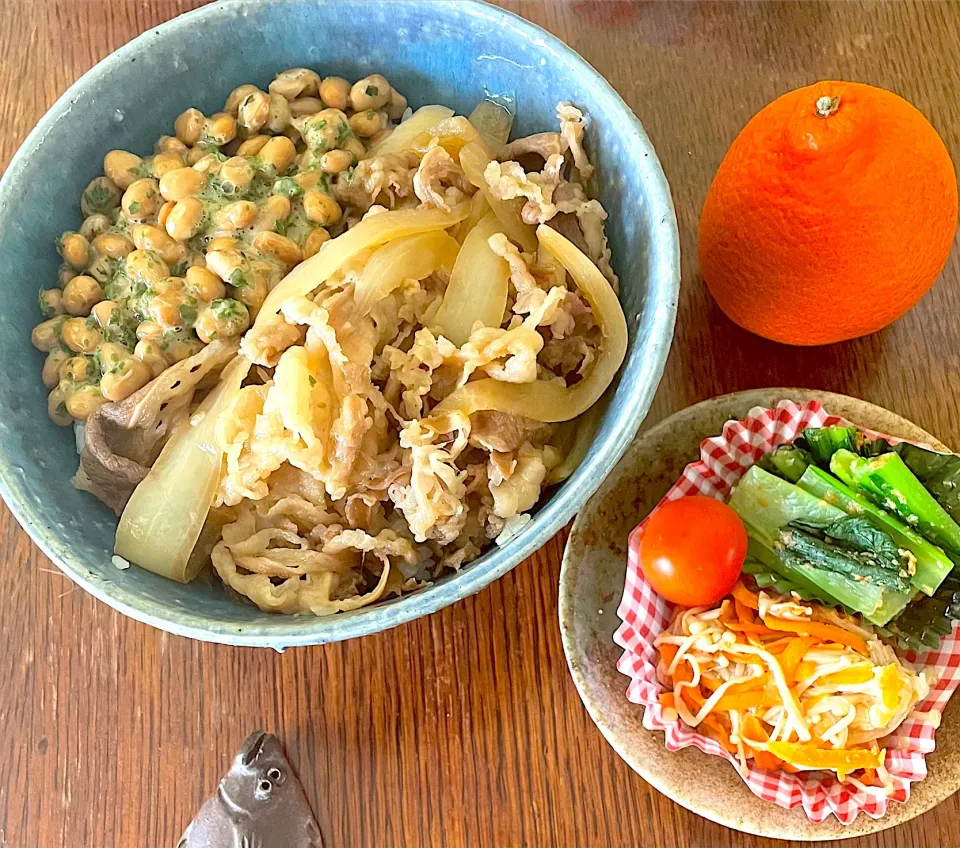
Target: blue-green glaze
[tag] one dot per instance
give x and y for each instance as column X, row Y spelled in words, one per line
column 435, row 52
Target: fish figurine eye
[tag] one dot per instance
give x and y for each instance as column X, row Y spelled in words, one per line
column 276, row 775
column 264, row 788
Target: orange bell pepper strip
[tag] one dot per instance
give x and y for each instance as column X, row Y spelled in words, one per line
column 827, row 632
column 751, row 731
column 890, row 686
column 668, row 700
column 742, row 594
column 848, row 677
column 840, row 760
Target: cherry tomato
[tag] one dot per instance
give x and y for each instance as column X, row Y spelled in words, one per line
column 692, row 550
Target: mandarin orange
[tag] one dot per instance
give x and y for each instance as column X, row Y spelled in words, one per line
column 830, row 216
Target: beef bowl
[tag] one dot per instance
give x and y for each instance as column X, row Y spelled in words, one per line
column 347, row 319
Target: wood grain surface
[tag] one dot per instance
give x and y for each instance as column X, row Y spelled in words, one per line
column 463, row 728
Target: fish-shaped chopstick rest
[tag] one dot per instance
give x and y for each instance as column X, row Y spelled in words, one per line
column 258, row 804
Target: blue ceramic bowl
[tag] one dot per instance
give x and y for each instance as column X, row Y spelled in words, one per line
column 436, row 52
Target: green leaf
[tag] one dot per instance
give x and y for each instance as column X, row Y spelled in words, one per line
column 769, row 504
column 890, row 484
column 46, row 310
column 939, row 473
column 188, row 312
column 925, row 622
column 823, row 555
column 287, row 187
column 226, row 308
column 824, row 442
column 858, row 534
column 787, row 462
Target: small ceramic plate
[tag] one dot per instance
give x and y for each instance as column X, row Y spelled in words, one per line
column 591, row 584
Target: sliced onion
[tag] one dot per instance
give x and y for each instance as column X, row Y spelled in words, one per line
column 474, row 159
column 494, row 122
column 451, row 134
column 163, row 518
column 410, row 258
column 548, row 401
column 370, row 232
column 423, row 120
column 478, row 286
column 478, row 209
column 583, row 429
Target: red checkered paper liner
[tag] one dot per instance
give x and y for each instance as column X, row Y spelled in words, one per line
column 723, row 460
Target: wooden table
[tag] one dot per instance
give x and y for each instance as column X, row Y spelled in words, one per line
column 463, row 728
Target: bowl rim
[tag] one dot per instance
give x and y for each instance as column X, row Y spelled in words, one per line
column 303, row 630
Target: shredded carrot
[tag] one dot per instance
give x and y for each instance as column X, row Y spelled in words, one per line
column 792, row 656
column 744, row 613
column 766, row 697
column 749, row 659
column 777, row 646
column 784, row 644
column 693, row 697
column 719, row 733
column 758, row 682
column 683, row 673
column 710, row 682
column 818, row 628
column 766, row 760
column 752, row 732
column 742, row 594
column 751, row 627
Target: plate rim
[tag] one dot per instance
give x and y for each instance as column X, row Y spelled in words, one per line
column 569, row 574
